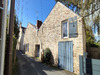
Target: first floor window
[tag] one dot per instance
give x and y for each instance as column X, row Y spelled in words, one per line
column 64, row 29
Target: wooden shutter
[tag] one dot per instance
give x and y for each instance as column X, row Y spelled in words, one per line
column 73, row 27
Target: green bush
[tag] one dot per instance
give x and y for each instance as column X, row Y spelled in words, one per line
column 14, row 50
column 47, row 55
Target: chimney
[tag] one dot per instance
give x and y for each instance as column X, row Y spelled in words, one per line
column 39, row 23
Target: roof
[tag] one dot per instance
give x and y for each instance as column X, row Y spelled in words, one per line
column 34, row 26
column 23, row 27
column 68, row 8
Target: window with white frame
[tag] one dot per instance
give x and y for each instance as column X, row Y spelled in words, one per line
column 64, row 29
column 73, row 32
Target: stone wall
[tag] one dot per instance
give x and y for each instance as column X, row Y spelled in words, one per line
column 50, row 33
column 20, row 41
column 31, row 39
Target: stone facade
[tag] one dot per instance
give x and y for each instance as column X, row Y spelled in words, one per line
column 31, row 39
column 50, row 34
column 20, row 42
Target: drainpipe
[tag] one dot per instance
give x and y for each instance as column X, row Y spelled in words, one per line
column 40, row 43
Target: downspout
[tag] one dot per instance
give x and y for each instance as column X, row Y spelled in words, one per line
column 40, row 42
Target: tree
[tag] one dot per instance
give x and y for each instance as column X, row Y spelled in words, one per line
column 90, row 39
column 85, row 8
column 16, row 28
column 15, row 36
column 98, row 43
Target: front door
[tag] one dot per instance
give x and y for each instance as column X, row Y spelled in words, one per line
column 37, row 50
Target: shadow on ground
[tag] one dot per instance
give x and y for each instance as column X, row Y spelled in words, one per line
column 28, row 66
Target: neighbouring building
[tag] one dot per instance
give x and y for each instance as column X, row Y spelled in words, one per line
column 20, row 41
column 63, row 33
column 31, row 39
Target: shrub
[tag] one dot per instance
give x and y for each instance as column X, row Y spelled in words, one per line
column 47, row 55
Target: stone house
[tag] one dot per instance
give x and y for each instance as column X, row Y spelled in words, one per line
column 20, row 41
column 31, row 39
column 63, row 33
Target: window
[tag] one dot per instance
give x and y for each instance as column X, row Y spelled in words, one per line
column 73, row 27
column 64, row 29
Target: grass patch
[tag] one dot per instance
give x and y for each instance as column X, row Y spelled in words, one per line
column 37, row 58
column 15, row 69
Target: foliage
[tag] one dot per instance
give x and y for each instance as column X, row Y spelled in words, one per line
column 15, row 69
column 90, row 39
column 16, row 28
column 85, row 8
column 47, row 55
column 14, row 49
column 15, row 36
column 98, row 43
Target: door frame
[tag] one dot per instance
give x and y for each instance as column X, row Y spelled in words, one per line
column 37, row 50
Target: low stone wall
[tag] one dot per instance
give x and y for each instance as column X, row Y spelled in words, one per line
column 93, row 52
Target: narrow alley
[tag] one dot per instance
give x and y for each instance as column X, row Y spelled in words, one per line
column 29, row 66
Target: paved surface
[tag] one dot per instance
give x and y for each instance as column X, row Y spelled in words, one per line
column 29, row 66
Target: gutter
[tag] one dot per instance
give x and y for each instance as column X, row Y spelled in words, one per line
column 40, row 42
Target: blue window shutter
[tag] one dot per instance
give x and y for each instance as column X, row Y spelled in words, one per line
column 73, row 27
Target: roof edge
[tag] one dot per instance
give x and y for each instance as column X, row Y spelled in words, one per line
column 32, row 26
column 68, row 8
